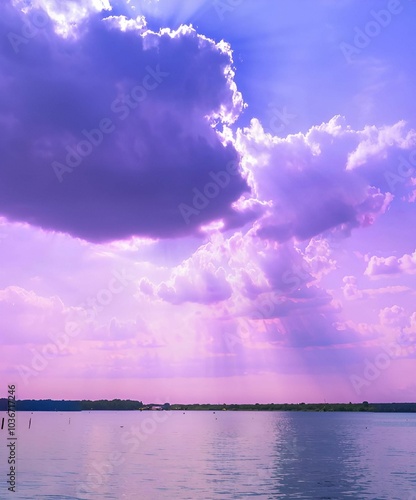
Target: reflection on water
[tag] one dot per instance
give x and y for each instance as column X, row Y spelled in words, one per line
column 206, row 455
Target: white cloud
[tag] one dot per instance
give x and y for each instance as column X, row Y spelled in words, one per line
column 391, row 265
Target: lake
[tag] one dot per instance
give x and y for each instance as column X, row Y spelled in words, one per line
column 206, row 455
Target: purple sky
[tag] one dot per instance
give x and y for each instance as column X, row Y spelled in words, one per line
column 208, row 200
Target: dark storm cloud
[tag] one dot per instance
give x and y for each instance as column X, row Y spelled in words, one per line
column 104, row 134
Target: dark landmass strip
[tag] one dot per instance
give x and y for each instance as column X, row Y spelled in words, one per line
column 53, row 405
column 365, row 406
column 119, row 404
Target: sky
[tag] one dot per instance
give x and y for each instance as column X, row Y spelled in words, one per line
column 208, row 200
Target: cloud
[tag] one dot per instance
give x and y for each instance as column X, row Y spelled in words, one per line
column 306, row 181
column 117, row 331
column 379, row 266
column 29, row 318
column 128, row 90
column 411, row 327
column 242, row 265
column 401, row 324
column 393, row 316
column 318, row 255
column 377, row 142
column 146, row 287
column 265, row 293
column 198, row 285
column 63, row 16
column 317, row 330
column 96, row 120
column 352, row 291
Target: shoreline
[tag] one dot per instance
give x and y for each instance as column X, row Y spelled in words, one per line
column 129, row 405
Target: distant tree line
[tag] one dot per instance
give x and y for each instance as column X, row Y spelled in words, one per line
column 55, row 405
column 364, row 406
column 115, row 404
column 122, row 404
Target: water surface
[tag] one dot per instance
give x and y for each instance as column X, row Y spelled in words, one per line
column 206, row 455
